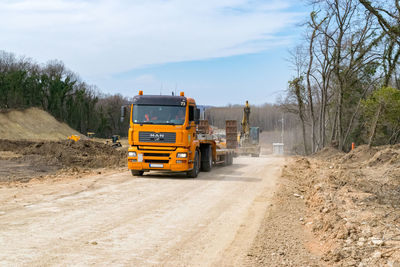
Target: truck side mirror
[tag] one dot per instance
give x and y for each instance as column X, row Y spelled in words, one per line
column 197, row 116
column 123, row 113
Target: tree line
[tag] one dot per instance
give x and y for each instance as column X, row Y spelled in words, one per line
column 59, row 91
column 346, row 83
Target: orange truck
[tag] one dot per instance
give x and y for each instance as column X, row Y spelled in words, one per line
column 163, row 136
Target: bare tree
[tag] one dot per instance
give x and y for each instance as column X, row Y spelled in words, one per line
column 315, row 30
column 388, row 17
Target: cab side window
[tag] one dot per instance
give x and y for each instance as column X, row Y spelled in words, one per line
column 191, row 113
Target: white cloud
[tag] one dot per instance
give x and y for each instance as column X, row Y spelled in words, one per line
column 145, row 78
column 103, row 36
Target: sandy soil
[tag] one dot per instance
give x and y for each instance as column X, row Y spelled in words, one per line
column 352, row 204
column 116, row 219
column 32, row 124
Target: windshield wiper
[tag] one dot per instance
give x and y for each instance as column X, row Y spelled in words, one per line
column 160, row 123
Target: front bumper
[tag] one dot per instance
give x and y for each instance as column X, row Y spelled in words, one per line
column 153, row 159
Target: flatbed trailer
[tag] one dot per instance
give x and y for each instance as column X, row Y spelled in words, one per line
column 220, row 156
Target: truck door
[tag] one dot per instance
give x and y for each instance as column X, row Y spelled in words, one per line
column 192, row 123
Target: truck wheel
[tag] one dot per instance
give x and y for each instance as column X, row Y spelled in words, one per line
column 137, row 173
column 206, row 164
column 196, row 168
column 226, row 160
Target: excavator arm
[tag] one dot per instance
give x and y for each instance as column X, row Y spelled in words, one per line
column 245, row 133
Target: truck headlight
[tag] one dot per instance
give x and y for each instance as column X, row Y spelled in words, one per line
column 181, row 155
column 131, row 154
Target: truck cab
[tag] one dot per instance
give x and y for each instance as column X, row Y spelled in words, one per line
column 162, row 134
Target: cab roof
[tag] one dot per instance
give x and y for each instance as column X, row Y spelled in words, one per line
column 160, row 100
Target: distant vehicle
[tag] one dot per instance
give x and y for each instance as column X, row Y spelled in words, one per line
column 249, row 136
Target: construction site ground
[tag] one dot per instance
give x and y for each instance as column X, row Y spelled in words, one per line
column 75, row 203
column 331, row 209
column 23, row 160
column 113, row 218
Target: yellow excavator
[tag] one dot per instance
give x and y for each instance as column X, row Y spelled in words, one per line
column 249, row 136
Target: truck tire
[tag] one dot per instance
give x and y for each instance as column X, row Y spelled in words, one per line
column 226, row 160
column 137, row 173
column 196, row 168
column 207, row 162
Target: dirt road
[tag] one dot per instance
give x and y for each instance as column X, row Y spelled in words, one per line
column 121, row 220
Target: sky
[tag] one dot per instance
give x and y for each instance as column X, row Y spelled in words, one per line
column 217, row 51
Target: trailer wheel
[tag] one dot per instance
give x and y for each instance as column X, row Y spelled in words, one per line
column 230, row 159
column 226, row 160
column 196, row 168
column 206, row 163
column 137, row 173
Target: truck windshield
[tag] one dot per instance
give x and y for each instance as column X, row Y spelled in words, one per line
column 147, row 114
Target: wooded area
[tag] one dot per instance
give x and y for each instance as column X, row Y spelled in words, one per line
column 59, row 91
column 346, row 86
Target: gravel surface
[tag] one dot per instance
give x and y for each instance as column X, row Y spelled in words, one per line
column 158, row 219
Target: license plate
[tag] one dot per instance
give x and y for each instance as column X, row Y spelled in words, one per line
column 155, row 165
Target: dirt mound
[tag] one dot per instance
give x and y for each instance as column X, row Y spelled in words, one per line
column 365, row 156
column 328, row 153
column 360, row 154
column 29, row 159
column 303, row 161
column 389, row 155
column 32, row 124
column 353, row 204
column 84, row 153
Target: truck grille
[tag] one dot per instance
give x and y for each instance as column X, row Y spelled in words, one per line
column 156, row 154
column 156, row 161
column 154, row 137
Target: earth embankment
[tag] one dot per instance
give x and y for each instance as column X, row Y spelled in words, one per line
column 351, row 208
column 32, row 124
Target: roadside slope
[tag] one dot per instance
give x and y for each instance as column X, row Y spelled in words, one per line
column 283, row 239
column 32, row 124
column 334, row 209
